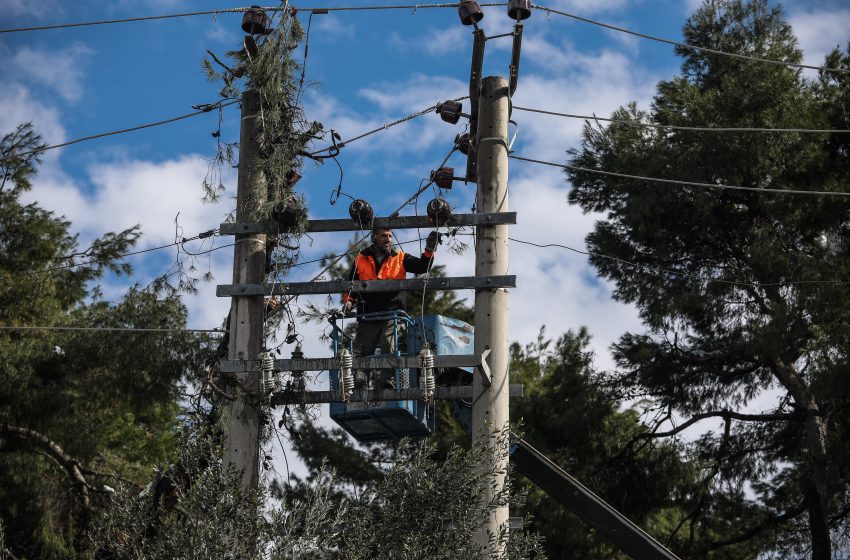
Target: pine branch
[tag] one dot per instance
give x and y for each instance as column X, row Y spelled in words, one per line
column 726, row 415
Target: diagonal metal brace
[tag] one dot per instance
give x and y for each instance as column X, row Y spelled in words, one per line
column 484, row 369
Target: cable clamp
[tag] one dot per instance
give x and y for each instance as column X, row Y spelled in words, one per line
column 484, row 369
column 496, row 139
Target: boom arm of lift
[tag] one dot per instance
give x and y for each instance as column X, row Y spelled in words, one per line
column 571, row 494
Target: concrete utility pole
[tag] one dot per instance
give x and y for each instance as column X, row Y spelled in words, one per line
column 242, row 428
column 490, row 408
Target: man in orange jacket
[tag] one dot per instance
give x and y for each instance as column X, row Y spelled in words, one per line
column 380, row 261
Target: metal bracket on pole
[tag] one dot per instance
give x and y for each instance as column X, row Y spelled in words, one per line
column 484, row 369
column 375, row 395
column 392, row 222
column 367, row 286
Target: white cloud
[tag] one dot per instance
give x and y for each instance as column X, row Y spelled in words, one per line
column 819, row 31
column 61, row 70
column 17, row 106
column 16, row 8
column 331, row 26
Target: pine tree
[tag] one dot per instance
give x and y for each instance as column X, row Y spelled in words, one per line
column 742, row 292
column 78, row 409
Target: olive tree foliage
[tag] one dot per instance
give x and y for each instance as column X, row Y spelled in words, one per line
column 743, row 293
column 420, row 508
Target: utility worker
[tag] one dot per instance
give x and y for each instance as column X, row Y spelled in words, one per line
column 380, row 261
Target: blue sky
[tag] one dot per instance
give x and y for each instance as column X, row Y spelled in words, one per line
column 368, row 68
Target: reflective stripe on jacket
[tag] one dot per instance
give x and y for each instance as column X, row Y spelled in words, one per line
column 391, row 269
column 394, row 267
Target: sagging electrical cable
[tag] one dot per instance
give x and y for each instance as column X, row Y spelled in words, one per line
column 686, row 128
column 679, row 182
column 206, row 108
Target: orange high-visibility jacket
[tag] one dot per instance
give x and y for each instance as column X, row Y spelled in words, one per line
column 395, row 267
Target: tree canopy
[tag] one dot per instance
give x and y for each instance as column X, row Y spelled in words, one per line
column 743, row 292
column 79, row 409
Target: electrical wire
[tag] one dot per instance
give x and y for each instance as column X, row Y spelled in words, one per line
column 134, row 19
column 119, row 329
column 203, row 235
column 686, row 45
column 677, row 272
column 689, row 128
column 206, row 109
column 682, row 183
column 386, row 126
column 428, row 184
column 413, row 7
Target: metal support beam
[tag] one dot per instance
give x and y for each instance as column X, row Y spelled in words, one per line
column 368, row 286
column 413, row 394
column 396, row 222
column 360, row 362
column 571, row 494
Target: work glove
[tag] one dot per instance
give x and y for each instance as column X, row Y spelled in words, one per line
column 348, row 307
column 434, row 239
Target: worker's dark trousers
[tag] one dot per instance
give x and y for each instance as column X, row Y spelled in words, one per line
column 372, row 334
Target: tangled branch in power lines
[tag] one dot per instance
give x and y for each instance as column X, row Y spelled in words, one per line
column 688, row 128
column 681, row 183
column 204, row 109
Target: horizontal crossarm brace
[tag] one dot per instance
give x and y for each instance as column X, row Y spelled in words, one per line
column 368, row 286
column 364, row 362
column 440, row 393
column 396, row 222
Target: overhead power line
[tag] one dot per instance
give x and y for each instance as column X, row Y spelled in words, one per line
column 119, row 329
column 203, row 235
column 686, row 45
column 412, row 7
column 678, row 182
column 206, row 109
column 386, row 126
column 128, row 20
column 678, row 272
column 689, row 128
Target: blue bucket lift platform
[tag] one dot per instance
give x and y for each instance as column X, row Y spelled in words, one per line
column 382, row 420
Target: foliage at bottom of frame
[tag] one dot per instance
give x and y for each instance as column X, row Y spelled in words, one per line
column 422, row 508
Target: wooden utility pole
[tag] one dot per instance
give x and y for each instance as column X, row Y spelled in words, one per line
column 490, row 408
column 242, row 428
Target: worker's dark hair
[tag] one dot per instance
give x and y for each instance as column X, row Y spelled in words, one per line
column 376, row 230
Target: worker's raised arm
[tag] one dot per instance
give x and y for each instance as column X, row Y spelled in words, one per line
column 420, row 265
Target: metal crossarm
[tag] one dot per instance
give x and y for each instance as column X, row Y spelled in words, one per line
column 368, row 286
column 440, row 393
column 364, row 362
column 394, row 222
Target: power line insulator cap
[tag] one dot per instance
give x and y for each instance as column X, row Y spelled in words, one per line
column 285, row 215
column 450, row 111
column 470, row 12
column 361, row 212
column 519, row 9
column 439, row 211
column 464, row 143
column 443, row 177
column 255, row 22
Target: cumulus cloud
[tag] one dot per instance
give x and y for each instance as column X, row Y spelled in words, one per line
column 820, row 31
column 59, row 69
column 17, row 105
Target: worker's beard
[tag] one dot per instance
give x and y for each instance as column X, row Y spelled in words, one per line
column 382, row 251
